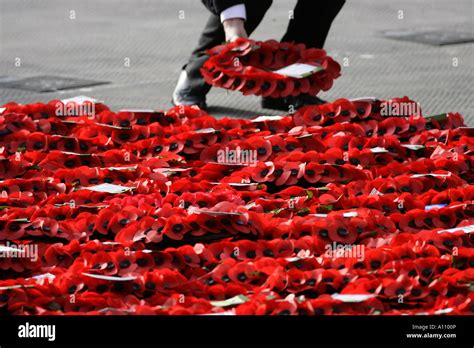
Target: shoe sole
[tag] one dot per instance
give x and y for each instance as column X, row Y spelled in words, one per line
column 266, row 104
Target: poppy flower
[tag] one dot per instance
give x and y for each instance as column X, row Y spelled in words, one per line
column 243, row 273
column 394, row 288
column 284, row 308
column 123, row 217
column 425, row 268
column 104, row 219
column 104, row 263
column 175, row 227
column 55, row 255
column 339, row 230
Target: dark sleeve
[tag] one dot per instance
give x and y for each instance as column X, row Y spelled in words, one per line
column 217, row 6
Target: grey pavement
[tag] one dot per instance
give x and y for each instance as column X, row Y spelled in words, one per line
column 95, row 39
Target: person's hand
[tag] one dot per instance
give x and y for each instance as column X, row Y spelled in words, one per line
column 234, row 29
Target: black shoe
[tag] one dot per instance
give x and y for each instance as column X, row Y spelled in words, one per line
column 183, row 95
column 284, row 104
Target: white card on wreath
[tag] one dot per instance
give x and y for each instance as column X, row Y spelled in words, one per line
column 465, row 229
column 298, row 70
column 108, row 188
column 352, row 298
column 236, row 300
column 80, row 99
column 112, row 278
column 267, row 118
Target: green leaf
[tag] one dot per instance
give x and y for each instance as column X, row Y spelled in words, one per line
column 277, row 211
column 323, row 188
column 303, row 211
column 439, row 117
column 327, row 206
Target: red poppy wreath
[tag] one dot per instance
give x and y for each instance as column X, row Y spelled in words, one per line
column 270, row 68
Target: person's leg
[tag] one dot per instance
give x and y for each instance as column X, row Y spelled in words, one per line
column 310, row 25
column 214, row 35
column 312, row 21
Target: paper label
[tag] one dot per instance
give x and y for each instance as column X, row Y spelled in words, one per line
column 235, row 184
column 9, row 287
column 80, row 99
column 378, row 149
column 40, row 277
column 267, row 118
column 353, row 298
column 298, row 70
column 293, row 259
column 435, row 206
column 413, row 147
column 236, row 300
column 364, row 99
column 348, row 214
column 205, row 131
column 430, row 174
column 109, row 188
column 443, row 311
column 112, row 278
column 465, row 229
column 309, row 135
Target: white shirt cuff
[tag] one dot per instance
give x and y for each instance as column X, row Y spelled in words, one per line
column 236, row 11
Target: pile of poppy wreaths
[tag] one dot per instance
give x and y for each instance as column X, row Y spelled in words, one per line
column 343, row 211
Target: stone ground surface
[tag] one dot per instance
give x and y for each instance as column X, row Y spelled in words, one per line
column 151, row 36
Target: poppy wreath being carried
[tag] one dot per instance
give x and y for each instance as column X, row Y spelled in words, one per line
column 251, row 67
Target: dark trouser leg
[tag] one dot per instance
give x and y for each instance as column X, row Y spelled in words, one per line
column 214, row 35
column 311, row 22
